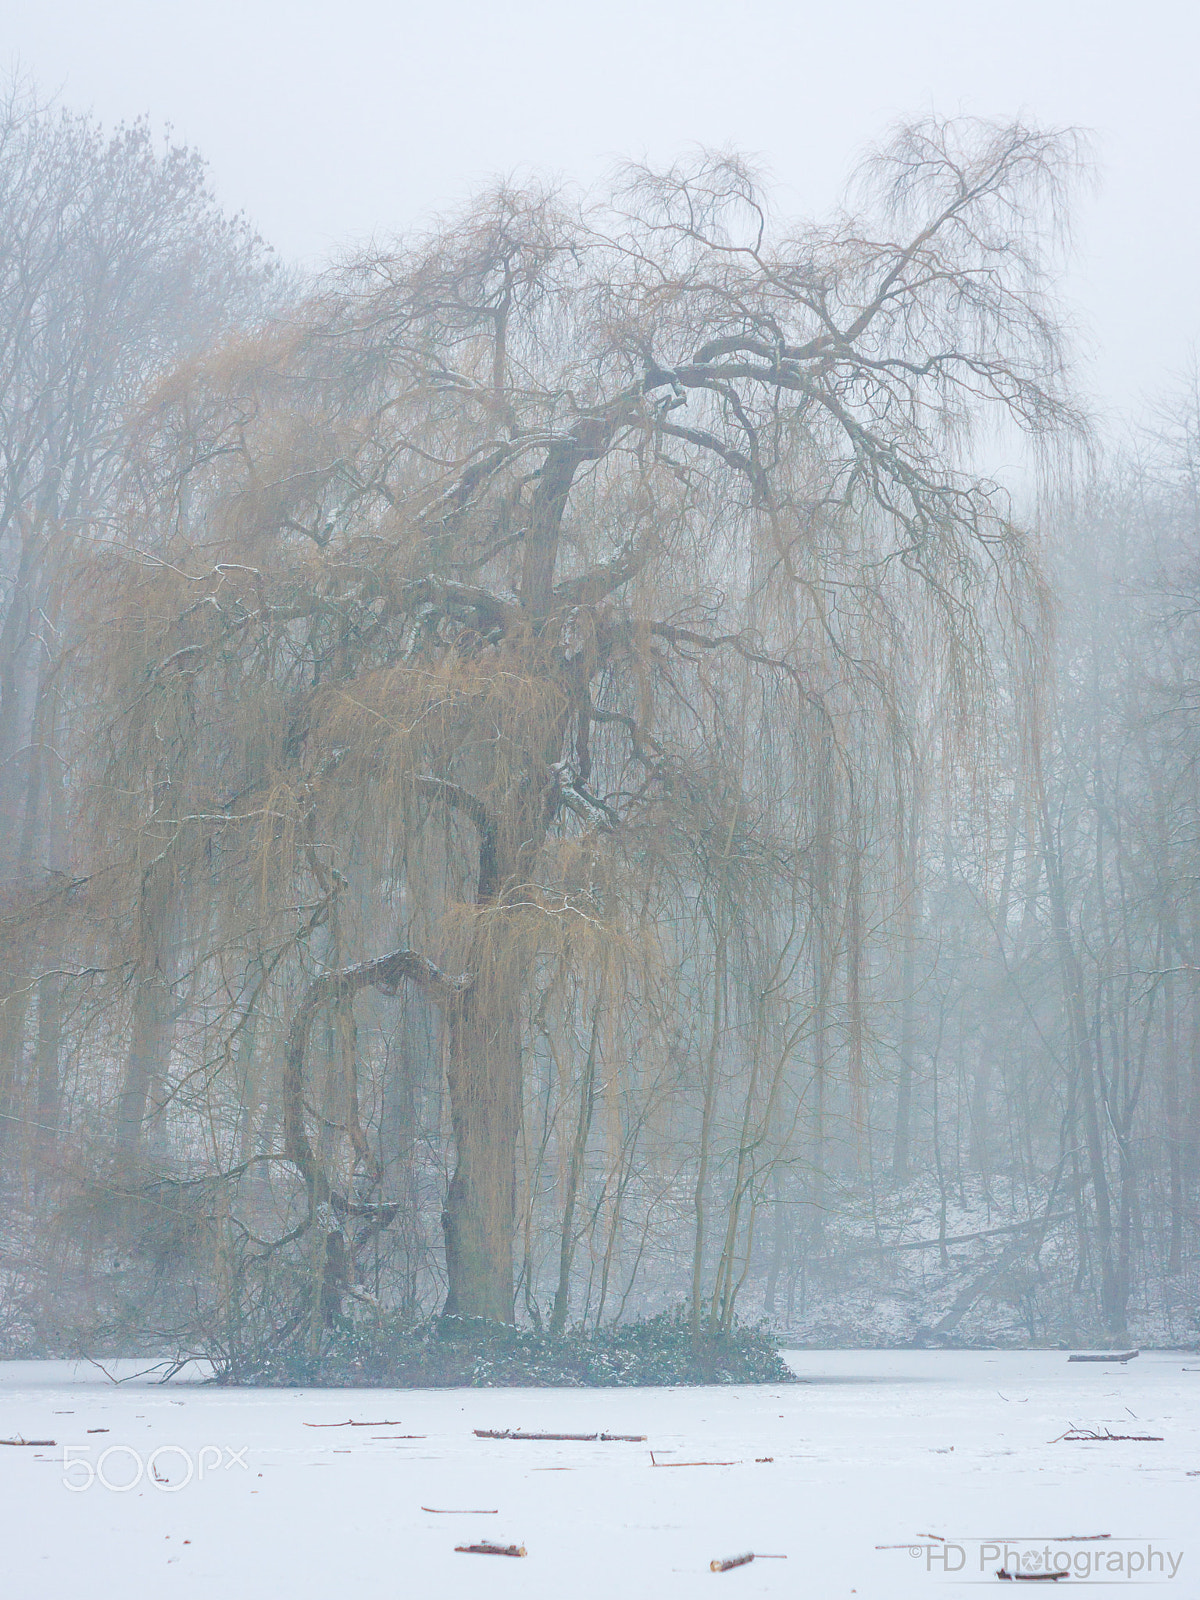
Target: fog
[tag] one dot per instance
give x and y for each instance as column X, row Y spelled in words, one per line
column 330, row 128
column 543, row 779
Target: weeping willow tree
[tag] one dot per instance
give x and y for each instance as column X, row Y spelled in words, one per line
column 532, row 614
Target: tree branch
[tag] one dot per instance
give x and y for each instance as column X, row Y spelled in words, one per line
column 386, row 974
column 471, row 806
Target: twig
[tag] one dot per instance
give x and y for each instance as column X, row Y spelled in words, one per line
column 384, row 1424
column 174, row 1366
column 486, row 1549
column 19, row 1441
column 956, row 1238
column 1061, row 1538
column 1091, row 1436
column 1031, row 1577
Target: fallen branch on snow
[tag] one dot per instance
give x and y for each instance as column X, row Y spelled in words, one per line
column 1091, row 1436
column 575, row 1438
column 728, row 1564
column 384, row 1424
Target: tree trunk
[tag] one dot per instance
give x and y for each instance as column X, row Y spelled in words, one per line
column 587, row 1102
column 46, row 1060
column 777, row 1242
column 904, row 1087
column 149, row 1052
column 1173, row 1110
column 1086, row 1067
column 484, row 1078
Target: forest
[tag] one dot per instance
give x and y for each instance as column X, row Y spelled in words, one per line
column 554, row 771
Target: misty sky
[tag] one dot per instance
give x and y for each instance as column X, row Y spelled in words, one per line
column 329, row 122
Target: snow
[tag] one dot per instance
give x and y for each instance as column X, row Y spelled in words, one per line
column 873, row 1448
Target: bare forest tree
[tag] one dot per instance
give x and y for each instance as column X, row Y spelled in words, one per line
column 114, row 264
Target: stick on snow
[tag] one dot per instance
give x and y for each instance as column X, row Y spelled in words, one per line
column 1090, row 1436
column 384, row 1424
column 575, row 1438
column 486, row 1549
column 728, row 1564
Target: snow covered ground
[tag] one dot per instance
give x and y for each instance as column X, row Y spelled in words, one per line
column 944, row 1454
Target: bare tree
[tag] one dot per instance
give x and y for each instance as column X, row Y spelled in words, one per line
column 114, row 264
column 465, row 574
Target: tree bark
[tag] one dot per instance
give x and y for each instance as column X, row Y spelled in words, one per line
column 587, row 1102
column 149, row 1048
column 479, row 1219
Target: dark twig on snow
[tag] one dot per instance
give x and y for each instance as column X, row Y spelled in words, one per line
column 1092, row 1436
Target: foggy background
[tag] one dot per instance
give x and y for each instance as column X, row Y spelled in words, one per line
column 329, row 124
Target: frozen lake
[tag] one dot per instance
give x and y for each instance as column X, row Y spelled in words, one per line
column 191, row 1491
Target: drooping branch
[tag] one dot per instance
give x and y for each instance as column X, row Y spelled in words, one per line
column 588, row 440
column 472, row 807
column 386, row 974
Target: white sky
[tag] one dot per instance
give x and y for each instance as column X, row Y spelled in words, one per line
column 328, row 122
